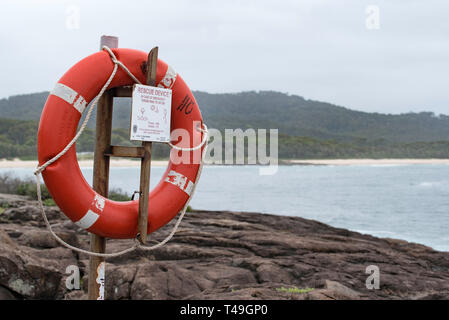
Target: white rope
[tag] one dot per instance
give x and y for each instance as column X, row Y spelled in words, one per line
column 41, row 168
column 203, row 142
column 117, row 62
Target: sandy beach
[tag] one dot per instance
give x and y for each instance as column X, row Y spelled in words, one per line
column 17, row 163
column 347, row 162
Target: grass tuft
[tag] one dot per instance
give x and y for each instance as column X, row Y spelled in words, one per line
column 118, row 194
column 11, row 184
column 294, row 290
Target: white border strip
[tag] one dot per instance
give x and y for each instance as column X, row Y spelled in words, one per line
column 169, row 79
column 68, row 95
column 80, row 104
column 88, row 220
column 179, row 180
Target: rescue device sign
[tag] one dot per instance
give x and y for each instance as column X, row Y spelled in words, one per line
column 150, row 113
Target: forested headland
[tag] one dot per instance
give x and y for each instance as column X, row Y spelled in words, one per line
column 307, row 129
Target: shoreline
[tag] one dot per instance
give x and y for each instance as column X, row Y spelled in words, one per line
column 17, row 163
column 346, row 162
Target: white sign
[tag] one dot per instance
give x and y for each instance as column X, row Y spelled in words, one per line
column 150, row 113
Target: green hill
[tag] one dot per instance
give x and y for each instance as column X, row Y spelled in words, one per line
column 308, row 129
column 294, row 115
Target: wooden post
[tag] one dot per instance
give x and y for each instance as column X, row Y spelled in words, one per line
column 110, row 41
column 145, row 165
column 101, row 181
column 103, row 152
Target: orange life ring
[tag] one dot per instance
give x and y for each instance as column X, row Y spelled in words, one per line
column 58, row 125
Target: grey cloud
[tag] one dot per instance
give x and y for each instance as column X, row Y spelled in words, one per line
column 318, row 49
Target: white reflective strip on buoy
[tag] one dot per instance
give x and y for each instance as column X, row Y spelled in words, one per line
column 80, row 104
column 189, row 188
column 169, row 79
column 88, row 220
column 180, row 181
column 68, row 95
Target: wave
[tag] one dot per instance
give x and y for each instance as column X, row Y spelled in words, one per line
column 430, row 184
column 379, row 233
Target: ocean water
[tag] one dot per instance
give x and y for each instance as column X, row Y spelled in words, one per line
column 409, row 202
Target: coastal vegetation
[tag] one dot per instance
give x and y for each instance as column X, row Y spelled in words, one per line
column 307, row 129
column 11, row 184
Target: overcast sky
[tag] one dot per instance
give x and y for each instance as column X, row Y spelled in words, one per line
column 385, row 56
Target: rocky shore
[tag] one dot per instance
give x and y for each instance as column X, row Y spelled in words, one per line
column 218, row 255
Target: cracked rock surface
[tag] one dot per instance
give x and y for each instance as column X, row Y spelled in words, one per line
column 218, row 255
